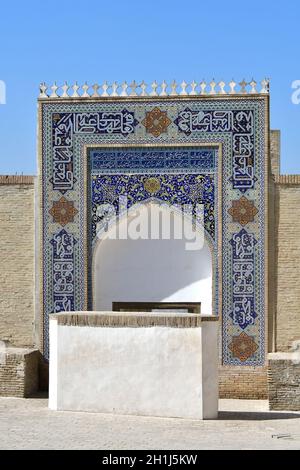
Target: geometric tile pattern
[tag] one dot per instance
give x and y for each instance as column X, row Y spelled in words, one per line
column 243, row 347
column 184, row 148
column 63, row 211
column 156, row 122
column 178, row 189
column 152, row 185
column 243, row 211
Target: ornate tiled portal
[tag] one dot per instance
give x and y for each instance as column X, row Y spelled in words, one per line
column 208, row 149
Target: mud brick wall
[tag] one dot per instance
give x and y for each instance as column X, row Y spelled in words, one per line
column 18, row 372
column 284, row 384
column 17, row 259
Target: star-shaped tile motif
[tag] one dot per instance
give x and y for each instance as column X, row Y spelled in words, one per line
column 63, row 211
column 156, row 122
column 243, row 347
column 243, row 211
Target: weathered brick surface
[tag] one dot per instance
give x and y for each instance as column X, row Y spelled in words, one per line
column 18, row 372
column 284, row 384
column 243, row 382
column 288, row 261
column 17, row 260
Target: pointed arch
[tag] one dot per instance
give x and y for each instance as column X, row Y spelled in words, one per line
column 146, row 270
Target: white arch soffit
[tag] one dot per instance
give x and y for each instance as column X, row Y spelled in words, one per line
column 187, row 289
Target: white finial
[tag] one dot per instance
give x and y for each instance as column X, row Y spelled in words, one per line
column 193, row 88
column 95, row 94
column 54, row 89
column 243, row 85
column 133, row 85
column 154, row 86
column 75, row 90
column 202, row 88
column 85, row 88
column 163, row 89
column 183, row 85
column 114, row 88
column 265, row 86
column 253, row 86
column 173, row 88
column 143, row 86
column 232, row 86
column 212, row 87
column 105, row 87
column 124, row 87
column 65, row 89
column 222, row 90
column 43, row 89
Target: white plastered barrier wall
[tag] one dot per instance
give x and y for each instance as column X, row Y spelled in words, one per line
column 134, row 364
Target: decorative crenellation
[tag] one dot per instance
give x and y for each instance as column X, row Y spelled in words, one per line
column 16, row 179
column 134, row 89
column 287, row 179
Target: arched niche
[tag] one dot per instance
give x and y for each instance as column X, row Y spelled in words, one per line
column 151, row 270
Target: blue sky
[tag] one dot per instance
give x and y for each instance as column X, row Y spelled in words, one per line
column 118, row 40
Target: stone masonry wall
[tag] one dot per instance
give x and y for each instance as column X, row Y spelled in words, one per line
column 18, row 372
column 288, row 261
column 17, row 259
